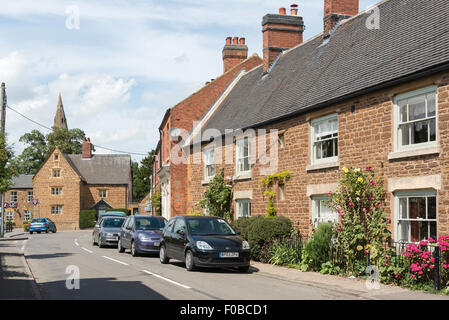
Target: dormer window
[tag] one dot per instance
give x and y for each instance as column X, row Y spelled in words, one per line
column 56, row 157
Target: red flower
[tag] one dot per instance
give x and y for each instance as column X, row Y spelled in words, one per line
column 369, row 169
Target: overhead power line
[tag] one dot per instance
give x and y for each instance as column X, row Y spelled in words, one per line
column 95, row 145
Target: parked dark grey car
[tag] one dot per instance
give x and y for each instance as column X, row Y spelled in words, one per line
column 106, row 231
column 141, row 234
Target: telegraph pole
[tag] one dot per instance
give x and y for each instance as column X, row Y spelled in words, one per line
column 2, row 131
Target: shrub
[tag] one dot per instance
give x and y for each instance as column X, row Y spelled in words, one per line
column 242, row 225
column 318, row 249
column 125, row 211
column 286, row 252
column 26, row 225
column 261, row 230
column 87, row 218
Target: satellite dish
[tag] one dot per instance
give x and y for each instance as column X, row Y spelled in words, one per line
column 175, row 133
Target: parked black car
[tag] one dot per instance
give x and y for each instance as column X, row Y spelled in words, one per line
column 204, row 242
column 141, row 234
column 106, row 231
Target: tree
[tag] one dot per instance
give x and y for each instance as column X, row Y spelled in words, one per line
column 156, row 199
column 217, row 198
column 141, row 176
column 40, row 146
column 7, row 166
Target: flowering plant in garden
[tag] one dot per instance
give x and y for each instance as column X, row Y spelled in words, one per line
column 422, row 262
column 362, row 228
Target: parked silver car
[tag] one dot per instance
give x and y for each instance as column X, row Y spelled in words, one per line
column 106, row 231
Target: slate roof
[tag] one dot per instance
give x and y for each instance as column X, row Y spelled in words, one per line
column 22, row 181
column 102, row 169
column 413, row 37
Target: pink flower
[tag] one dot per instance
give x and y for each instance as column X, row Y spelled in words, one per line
column 330, row 193
column 431, row 266
column 372, row 183
column 378, row 205
column 420, row 272
column 351, row 204
column 431, row 239
column 363, row 210
column 371, row 198
column 413, row 276
column 338, row 230
column 369, row 169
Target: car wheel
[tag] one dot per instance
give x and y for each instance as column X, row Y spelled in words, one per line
column 46, row 231
column 163, row 256
column 190, row 264
column 134, row 251
column 54, row 231
column 244, row 269
column 119, row 246
column 100, row 243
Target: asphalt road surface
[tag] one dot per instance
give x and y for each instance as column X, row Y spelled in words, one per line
column 107, row 274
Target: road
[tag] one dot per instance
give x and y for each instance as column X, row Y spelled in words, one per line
column 107, row 274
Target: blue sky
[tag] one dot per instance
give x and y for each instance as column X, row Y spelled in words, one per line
column 128, row 62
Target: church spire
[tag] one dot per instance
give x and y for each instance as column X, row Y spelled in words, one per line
column 60, row 120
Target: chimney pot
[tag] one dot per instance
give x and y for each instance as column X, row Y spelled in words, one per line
column 236, row 40
column 294, row 9
column 233, row 53
column 242, row 40
column 228, row 40
column 282, row 11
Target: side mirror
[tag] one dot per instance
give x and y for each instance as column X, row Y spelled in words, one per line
column 97, row 226
column 237, row 232
column 181, row 232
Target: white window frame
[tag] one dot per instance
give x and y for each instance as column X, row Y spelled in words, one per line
column 243, row 202
column 56, row 209
column 397, row 117
column 413, row 194
column 30, row 196
column 239, row 146
column 9, row 215
column 313, row 124
column 25, row 214
column 316, row 211
column 13, row 196
column 101, row 192
column 56, row 191
column 209, row 161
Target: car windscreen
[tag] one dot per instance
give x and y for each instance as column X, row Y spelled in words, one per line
column 148, row 223
column 201, row 226
column 113, row 222
column 38, row 220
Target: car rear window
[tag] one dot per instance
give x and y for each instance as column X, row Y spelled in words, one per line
column 144, row 223
column 38, row 220
column 113, row 222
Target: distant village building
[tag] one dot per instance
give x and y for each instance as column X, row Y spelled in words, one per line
column 68, row 183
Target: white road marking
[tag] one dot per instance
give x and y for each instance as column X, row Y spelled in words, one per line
column 23, row 247
column 171, row 281
column 87, row 250
column 125, row 264
column 76, row 242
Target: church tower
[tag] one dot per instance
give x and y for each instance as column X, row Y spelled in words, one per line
column 60, row 120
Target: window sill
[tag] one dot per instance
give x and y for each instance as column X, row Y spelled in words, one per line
column 242, row 176
column 326, row 165
column 413, row 153
column 205, row 182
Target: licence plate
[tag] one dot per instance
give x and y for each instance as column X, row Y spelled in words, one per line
column 229, row 255
column 156, row 244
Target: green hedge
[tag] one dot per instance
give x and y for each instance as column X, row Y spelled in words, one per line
column 125, row 211
column 87, row 218
column 260, row 230
column 318, row 249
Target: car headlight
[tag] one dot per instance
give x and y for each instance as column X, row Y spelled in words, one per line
column 203, row 245
column 143, row 237
column 245, row 245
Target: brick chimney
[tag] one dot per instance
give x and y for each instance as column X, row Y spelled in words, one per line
column 87, row 148
column 234, row 53
column 337, row 10
column 280, row 32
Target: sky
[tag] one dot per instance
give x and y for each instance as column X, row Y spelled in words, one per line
column 120, row 64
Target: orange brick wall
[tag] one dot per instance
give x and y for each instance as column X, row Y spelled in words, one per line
column 365, row 139
column 22, row 205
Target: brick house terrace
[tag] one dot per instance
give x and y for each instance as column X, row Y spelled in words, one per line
column 351, row 96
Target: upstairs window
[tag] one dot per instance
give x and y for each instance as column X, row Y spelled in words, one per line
column 416, row 119
column 209, row 163
column 56, row 210
column 103, row 193
column 27, row 215
column 243, row 153
column 56, row 191
column 13, row 196
column 30, row 196
column 324, row 139
column 56, row 173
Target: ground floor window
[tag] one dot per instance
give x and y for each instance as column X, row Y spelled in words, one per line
column 9, row 216
column 27, row 215
column 321, row 212
column 416, row 215
column 56, row 210
column 243, row 207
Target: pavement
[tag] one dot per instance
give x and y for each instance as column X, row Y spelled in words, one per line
column 43, row 267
